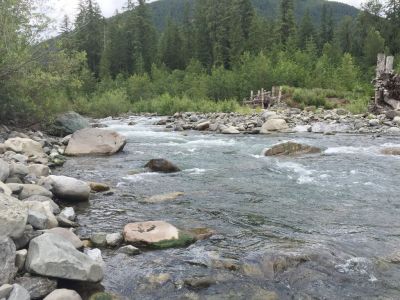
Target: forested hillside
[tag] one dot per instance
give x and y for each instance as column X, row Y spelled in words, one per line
column 210, row 60
column 175, row 9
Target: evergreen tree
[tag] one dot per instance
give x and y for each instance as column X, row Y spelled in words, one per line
column 392, row 10
column 306, row 30
column 374, row 44
column 345, row 34
column 172, row 52
column 203, row 44
column 89, row 34
column 327, row 26
column 287, row 20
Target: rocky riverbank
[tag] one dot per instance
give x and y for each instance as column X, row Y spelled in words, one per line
column 286, row 120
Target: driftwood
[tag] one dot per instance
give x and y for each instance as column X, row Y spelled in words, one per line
column 264, row 99
column 387, row 85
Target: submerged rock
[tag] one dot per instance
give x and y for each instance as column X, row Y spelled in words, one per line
column 129, row 250
column 291, row 149
column 156, row 234
column 51, row 255
column 98, row 187
column 163, row 198
column 162, row 165
column 391, row 151
column 95, row 141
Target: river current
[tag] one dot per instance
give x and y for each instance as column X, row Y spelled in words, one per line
column 313, row 227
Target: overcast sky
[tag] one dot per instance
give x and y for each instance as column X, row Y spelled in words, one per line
column 59, row 8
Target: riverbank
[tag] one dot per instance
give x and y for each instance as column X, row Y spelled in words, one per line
column 227, row 207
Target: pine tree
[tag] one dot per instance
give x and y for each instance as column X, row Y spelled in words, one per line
column 306, row 31
column 172, row 54
column 374, row 44
column 287, row 21
column 327, row 26
column 345, row 34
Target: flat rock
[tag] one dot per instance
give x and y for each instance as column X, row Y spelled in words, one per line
column 229, row 130
column 7, row 260
column 38, row 287
column 156, row 234
column 13, row 216
column 52, row 256
column 38, row 198
column 291, row 149
column 162, row 165
column 39, row 170
column 67, row 188
column 63, row 294
column 95, row 141
column 25, row 146
column 29, row 190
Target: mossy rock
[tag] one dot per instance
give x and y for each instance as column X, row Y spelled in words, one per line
column 184, row 239
column 103, row 296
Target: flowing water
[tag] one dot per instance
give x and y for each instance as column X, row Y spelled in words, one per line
column 314, row 227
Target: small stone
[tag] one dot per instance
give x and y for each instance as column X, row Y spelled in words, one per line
column 68, row 213
column 63, row 222
column 163, row 198
column 99, row 239
column 373, row 122
column 98, row 187
column 20, row 259
column 162, row 165
column 39, row 170
column 114, row 239
column 129, row 250
column 95, row 254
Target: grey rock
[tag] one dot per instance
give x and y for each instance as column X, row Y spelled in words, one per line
column 20, row 259
column 37, row 287
column 7, row 260
column 38, row 198
column 5, row 291
column 229, row 130
column 13, row 216
column 67, row 188
column 95, row 254
column 25, row 146
column 68, row 123
column 274, row 125
column 32, row 190
column 19, row 293
column 67, row 235
column 4, row 170
column 5, row 189
column 99, row 239
column 63, row 222
column 27, row 235
column 373, row 122
column 68, row 213
column 19, row 170
column 50, row 255
column 39, row 170
column 63, row 294
column 114, row 239
column 40, row 215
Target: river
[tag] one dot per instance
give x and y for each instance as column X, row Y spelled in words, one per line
column 327, row 226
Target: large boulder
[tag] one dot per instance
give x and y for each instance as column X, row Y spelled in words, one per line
column 273, row 124
column 162, row 165
column 13, row 217
column 37, row 287
column 7, row 260
column 67, row 188
column 156, row 234
column 4, row 170
column 25, row 146
column 52, row 256
column 290, row 149
column 95, row 141
column 67, row 123
column 67, row 235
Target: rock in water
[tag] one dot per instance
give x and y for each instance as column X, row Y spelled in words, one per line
column 163, row 198
column 67, row 188
column 63, row 294
column 391, row 151
column 274, row 125
column 13, row 216
column 156, row 234
column 290, row 149
column 162, row 165
column 51, row 255
column 95, row 141
column 68, row 123
column 7, row 260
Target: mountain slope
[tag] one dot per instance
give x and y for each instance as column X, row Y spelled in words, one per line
column 174, row 9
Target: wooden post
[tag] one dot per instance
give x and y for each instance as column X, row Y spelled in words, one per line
column 381, row 65
column 280, row 94
column 262, row 98
column 389, row 64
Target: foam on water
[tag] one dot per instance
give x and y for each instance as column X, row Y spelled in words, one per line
column 140, row 177
column 196, row 171
column 304, row 174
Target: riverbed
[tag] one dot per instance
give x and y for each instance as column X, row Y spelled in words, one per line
column 322, row 226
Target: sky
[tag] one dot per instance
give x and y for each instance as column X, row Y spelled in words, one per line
column 58, row 8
